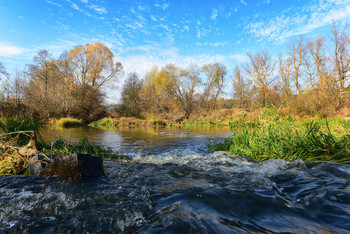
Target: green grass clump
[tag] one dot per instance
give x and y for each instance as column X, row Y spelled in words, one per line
column 288, row 141
column 198, row 123
column 23, row 123
column 107, row 121
column 69, row 122
column 84, row 146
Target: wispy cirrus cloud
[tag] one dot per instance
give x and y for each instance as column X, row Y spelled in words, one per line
column 99, row 9
column 298, row 21
column 164, row 6
column 54, row 3
column 214, row 14
column 244, row 2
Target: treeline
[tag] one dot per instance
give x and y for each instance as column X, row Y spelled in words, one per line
column 67, row 86
column 310, row 78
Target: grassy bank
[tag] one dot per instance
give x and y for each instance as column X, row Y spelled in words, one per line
column 269, row 138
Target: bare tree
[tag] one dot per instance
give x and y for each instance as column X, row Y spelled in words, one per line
column 261, row 68
column 322, row 63
column 4, row 83
column 341, row 55
column 241, row 86
column 297, row 51
column 285, row 66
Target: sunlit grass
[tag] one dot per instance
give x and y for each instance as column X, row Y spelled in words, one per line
column 107, row 121
column 265, row 139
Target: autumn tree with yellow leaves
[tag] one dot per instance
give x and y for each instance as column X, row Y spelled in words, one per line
column 71, row 85
column 93, row 64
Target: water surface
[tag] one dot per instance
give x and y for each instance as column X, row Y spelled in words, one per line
column 174, row 184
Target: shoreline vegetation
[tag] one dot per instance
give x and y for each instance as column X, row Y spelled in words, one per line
column 20, row 140
column 269, row 133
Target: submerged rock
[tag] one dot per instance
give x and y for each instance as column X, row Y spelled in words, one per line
column 77, row 166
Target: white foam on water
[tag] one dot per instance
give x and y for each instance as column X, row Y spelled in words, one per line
column 254, row 172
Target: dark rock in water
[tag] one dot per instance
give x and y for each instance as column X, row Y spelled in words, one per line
column 39, row 162
column 77, row 166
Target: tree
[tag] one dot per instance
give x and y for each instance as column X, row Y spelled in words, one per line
column 153, row 102
column 4, row 83
column 285, row 75
column 179, row 84
column 18, row 85
column 42, row 94
column 326, row 80
column 297, row 51
column 93, row 64
column 88, row 103
column 131, row 102
column 3, row 71
column 241, row 87
column 215, row 73
column 341, row 55
column 261, row 68
column 44, row 69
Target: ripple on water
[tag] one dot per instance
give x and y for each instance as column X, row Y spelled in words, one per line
column 184, row 191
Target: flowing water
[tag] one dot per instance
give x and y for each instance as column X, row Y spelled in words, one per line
column 174, row 184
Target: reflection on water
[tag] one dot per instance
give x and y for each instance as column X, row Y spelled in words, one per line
column 136, row 141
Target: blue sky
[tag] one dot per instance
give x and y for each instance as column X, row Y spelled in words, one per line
column 142, row 33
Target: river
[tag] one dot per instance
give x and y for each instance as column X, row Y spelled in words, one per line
column 174, row 184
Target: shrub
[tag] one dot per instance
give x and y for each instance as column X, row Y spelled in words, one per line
column 69, row 122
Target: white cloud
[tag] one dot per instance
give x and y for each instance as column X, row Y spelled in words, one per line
column 84, row 1
column 243, row 2
column 75, row 6
column 163, row 6
column 187, row 28
column 300, row 21
column 54, row 3
column 153, row 18
column 99, row 9
column 9, row 50
column 214, row 14
column 212, row 44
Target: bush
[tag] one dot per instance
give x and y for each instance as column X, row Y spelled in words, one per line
column 69, row 122
column 105, row 122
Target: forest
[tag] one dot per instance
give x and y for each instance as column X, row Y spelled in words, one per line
column 309, row 78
